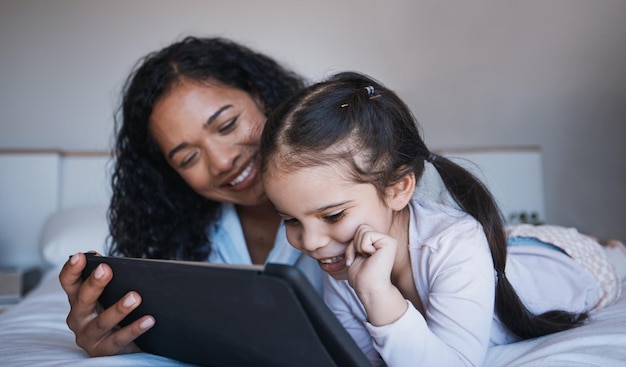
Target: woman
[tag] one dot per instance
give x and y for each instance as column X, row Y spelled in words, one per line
column 186, row 183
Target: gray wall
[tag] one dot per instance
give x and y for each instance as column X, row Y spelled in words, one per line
column 476, row 73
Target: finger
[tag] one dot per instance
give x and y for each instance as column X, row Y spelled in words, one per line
column 121, row 340
column 359, row 238
column 70, row 275
column 109, row 318
column 350, row 253
column 84, row 304
column 367, row 237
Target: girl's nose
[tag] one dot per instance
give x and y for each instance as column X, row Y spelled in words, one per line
column 311, row 240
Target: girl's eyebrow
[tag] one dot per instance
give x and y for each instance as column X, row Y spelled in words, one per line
column 318, row 210
column 208, row 123
column 330, row 206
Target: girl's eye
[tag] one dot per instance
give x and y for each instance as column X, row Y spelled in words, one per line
column 335, row 217
column 228, row 126
column 290, row 221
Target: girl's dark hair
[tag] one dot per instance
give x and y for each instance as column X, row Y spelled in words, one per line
column 153, row 212
column 373, row 132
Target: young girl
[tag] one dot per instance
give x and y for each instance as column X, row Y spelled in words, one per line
column 416, row 283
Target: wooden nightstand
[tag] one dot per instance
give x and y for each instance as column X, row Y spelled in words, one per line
column 16, row 283
column 11, row 287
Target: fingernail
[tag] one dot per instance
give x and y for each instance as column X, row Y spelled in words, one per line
column 129, row 300
column 74, row 259
column 99, row 272
column 147, row 323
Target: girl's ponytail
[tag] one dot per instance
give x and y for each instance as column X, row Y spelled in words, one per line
column 474, row 198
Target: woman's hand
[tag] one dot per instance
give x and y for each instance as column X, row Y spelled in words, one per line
column 98, row 333
column 370, row 258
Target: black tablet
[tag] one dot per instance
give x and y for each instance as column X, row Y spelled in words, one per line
column 230, row 315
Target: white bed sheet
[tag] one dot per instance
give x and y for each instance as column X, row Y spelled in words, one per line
column 34, row 333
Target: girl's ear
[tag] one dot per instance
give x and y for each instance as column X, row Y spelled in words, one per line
column 400, row 192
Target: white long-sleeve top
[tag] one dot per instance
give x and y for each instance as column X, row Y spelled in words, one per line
column 454, row 276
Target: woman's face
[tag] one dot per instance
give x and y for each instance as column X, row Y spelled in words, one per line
column 209, row 133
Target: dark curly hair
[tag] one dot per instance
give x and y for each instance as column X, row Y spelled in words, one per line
column 153, row 212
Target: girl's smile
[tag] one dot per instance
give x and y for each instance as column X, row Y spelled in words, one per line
column 323, row 224
column 333, row 265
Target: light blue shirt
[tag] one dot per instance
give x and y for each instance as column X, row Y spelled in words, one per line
column 229, row 246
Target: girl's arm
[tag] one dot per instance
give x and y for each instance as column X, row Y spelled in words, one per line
column 456, row 272
column 371, row 258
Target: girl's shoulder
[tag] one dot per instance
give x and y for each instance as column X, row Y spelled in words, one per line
column 437, row 217
column 435, row 224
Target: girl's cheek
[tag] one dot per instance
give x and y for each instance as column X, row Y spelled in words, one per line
column 345, row 231
column 292, row 238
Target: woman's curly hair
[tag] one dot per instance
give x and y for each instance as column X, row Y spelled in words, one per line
column 153, row 212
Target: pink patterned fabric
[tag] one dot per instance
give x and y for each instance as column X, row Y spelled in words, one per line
column 587, row 252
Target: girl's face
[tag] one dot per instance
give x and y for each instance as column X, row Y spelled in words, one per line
column 207, row 133
column 322, row 210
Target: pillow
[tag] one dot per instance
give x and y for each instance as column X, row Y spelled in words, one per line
column 73, row 230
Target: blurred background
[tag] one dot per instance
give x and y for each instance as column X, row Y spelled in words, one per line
column 477, row 73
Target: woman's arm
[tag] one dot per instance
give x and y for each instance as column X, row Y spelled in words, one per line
column 97, row 333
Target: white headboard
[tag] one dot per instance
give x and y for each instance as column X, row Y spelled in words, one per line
column 38, row 183
column 514, row 176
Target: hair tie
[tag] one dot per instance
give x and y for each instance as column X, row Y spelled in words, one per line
column 370, row 92
column 431, row 157
column 501, row 275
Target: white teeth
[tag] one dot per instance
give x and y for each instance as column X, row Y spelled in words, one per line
column 243, row 175
column 331, row 260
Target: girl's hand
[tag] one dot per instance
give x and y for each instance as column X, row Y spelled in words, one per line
column 97, row 333
column 370, row 258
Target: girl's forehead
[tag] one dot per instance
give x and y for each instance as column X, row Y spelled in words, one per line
column 317, row 176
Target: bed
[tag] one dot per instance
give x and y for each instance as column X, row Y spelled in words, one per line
column 54, row 204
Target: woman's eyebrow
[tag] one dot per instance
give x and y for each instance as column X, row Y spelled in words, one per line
column 209, row 121
column 215, row 115
column 176, row 149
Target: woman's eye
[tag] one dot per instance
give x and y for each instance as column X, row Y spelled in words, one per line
column 187, row 161
column 228, row 126
column 335, row 217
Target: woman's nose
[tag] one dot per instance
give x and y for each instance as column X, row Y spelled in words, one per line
column 221, row 158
